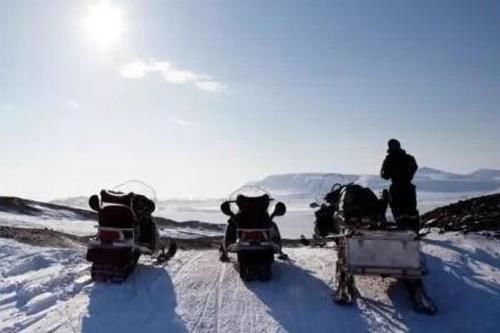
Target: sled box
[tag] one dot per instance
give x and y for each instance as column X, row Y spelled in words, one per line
column 390, row 253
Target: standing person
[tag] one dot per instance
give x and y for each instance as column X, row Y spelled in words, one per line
column 400, row 167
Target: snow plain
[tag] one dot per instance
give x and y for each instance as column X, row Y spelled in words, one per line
column 49, row 290
column 298, row 220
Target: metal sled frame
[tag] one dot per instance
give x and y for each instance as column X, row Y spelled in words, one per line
column 408, row 268
column 345, row 289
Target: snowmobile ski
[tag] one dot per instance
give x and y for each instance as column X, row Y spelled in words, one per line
column 345, row 292
column 420, row 298
column 283, row 256
column 163, row 257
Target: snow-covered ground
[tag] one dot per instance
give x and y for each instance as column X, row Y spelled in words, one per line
column 70, row 222
column 80, row 227
column 189, row 233
column 67, row 224
column 49, row 290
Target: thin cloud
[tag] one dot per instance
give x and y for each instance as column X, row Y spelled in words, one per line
column 181, row 122
column 139, row 69
column 72, row 104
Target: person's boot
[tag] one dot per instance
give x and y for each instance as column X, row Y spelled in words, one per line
column 282, row 255
column 223, row 257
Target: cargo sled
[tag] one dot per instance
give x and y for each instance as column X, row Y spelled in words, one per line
column 368, row 245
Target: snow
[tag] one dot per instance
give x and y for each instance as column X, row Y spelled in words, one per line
column 34, row 280
column 67, row 224
column 188, row 233
column 49, row 290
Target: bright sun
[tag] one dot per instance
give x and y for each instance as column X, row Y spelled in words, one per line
column 104, row 23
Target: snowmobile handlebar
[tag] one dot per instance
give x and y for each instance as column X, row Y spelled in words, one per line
column 314, row 205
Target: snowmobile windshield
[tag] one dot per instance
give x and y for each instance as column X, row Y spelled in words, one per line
column 250, row 198
column 137, row 187
column 249, row 191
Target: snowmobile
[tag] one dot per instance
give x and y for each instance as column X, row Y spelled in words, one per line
column 125, row 231
column 252, row 234
column 367, row 244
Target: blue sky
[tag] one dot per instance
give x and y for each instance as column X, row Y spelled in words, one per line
column 198, row 97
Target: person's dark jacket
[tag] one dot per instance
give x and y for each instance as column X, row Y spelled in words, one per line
column 399, row 167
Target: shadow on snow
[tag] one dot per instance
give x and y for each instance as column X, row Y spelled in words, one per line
column 144, row 303
column 301, row 302
column 466, row 300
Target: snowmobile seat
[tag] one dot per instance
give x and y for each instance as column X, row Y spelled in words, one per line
column 116, row 216
column 253, row 212
column 117, row 198
column 253, row 204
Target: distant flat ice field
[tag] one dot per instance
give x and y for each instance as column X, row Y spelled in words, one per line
column 299, row 218
column 297, row 221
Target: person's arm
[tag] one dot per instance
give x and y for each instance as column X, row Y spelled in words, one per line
column 385, row 170
column 412, row 165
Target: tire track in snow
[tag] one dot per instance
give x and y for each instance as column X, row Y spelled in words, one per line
column 220, row 295
column 184, row 265
column 214, row 290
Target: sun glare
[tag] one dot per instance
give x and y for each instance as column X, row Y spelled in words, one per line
column 104, row 23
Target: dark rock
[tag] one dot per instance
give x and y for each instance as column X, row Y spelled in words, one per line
column 473, row 215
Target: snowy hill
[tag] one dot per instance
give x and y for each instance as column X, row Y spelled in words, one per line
column 49, row 290
column 476, row 214
column 76, row 202
column 18, row 212
column 487, row 174
column 427, row 180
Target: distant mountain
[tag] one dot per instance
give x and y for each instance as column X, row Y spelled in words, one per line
column 487, row 174
column 20, row 206
column 315, row 183
column 81, row 202
column 426, row 179
column 19, row 212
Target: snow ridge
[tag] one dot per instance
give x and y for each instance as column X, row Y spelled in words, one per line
column 33, row 281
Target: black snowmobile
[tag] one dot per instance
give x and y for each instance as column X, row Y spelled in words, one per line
column 252, row 234
column 367, row 244
column 126, row 230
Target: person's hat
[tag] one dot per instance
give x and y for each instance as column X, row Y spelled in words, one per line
column 393, row 144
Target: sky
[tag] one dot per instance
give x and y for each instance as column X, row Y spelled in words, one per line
column 198, row 97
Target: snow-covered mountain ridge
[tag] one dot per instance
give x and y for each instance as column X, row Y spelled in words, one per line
column 427, row 180
column 19, row 212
